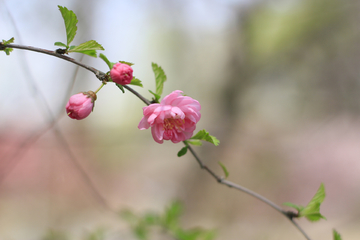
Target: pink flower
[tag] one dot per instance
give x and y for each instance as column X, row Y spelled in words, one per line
column 80, row 105
column 121, row 73
column 173, row 119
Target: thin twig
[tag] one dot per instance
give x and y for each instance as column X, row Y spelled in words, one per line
column 221, row 180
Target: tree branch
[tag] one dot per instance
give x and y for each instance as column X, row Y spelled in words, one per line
column 102, row 76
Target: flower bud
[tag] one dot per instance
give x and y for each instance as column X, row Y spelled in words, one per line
column 121, row 73
column 80, row 105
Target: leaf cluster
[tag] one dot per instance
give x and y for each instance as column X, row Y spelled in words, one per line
column 70, row 20
column 5, row 49
column 312, row 210
column 168, row 222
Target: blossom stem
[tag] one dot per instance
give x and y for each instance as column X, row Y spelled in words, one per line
column 103, row 84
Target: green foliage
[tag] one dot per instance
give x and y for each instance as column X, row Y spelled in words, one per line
column 336, row 235
column 168, row 222
column 195, row 142
column 183, row 151
column 70, row 23
column 127, row 63
column 88, row 48
column 226, row 172
column 55, row 235
column 136, row 82
column 160, row 78
column 157, row 96
column 60, row 44
column 98, row 234
column 312, row 210
column 205, row 136
column 8, row 50
column 121, row 87
column 103, row 57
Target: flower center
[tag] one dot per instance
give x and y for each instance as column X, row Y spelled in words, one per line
column 171, row 123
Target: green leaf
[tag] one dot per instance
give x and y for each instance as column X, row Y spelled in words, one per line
column 157, row 96
column 136, row 82
column 127, row 63
column 11, row 40
column 226, row 172
column 103, row 57
column 70, row 23
column 297, row 207
column 160, row 78
column 336, row 235
column 312, row 210
column 88, row 48
column 121, row 87
column 183, row 151
column 7, row 50
column 60, row 44
column 205, row 136
column 195, row 142
column 172, row 214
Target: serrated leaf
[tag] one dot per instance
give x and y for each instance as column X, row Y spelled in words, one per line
column 127, row 63
column 205, row 136
column 312, row 210
column 91, row 53
column 136, row 82
column 60, row 44
column 121, row 87
column 336, row 235
column 160, row 78
column 157, row 96
column 182, row 152
column 8, row 51
column 70, row 23
column 297, row 207
column 195, row 142
column 88, row 48
column 226, row 172
column 103, row 57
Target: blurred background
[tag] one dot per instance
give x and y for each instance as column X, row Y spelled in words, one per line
column 279, row 85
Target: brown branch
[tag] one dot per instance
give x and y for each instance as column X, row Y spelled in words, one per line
column 101, row 76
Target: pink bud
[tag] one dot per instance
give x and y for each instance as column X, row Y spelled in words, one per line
column 121, row 73
column 80, row 105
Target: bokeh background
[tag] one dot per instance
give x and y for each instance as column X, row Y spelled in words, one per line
column 279, row 86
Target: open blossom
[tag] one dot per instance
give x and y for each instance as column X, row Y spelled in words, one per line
column 121, row 73
column 173, row 119
column 80, row 105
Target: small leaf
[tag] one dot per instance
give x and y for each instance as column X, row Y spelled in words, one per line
column 11, row 40
column 205, row 136
column 336, row 235
column 60, row 44
column 8, row 51
column 88, row 48
column 297, row 207
column 127, row 63
column 160, row 78
column 121, row 87
column 226, row 172
column 103, row 57
column 195, row 142
column 70, row 23
column 312, row 210
column 136, row 82
column 182, row 152
column 157, row 96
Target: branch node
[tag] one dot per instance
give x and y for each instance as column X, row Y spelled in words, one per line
column 60, row 51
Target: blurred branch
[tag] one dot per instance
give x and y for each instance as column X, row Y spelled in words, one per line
column 102, row 76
